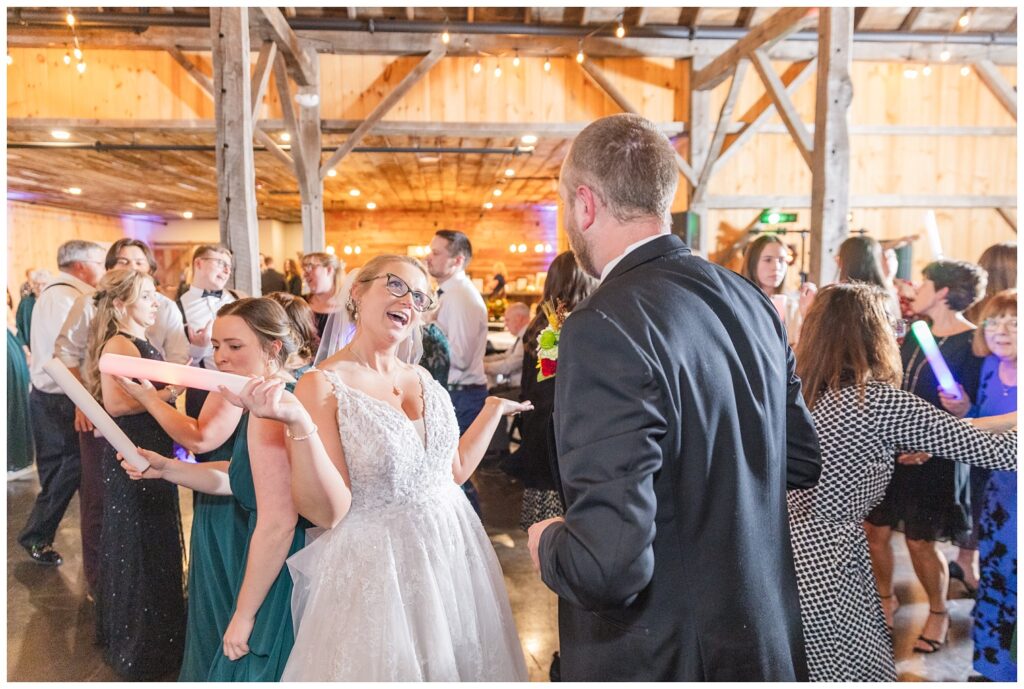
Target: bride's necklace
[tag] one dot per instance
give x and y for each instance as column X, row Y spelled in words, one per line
column 395, row 390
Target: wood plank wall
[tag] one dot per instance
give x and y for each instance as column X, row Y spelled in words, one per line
column 491, row 234
column 35, row 232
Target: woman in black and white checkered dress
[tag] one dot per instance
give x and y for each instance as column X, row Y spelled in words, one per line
column 850, row 366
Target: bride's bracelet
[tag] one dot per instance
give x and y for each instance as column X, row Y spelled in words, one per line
column 288, row 432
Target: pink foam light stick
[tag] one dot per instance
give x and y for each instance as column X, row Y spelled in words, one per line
column 95, row 413
column 172, row 374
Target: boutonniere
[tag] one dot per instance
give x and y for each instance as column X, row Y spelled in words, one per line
column 547, row 341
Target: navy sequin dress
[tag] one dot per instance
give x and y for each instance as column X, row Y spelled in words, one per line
column 140, row 604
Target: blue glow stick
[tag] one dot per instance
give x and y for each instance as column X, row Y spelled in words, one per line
column 934, row 356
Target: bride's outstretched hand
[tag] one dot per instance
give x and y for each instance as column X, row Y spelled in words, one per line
column 267, row 399
column 506, row 407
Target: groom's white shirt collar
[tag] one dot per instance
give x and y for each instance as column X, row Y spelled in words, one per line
column 632, row 247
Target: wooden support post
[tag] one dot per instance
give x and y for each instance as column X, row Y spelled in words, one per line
column 699, row 127
column 997, row 84
column 236, row 177
column 264, row 64
column 601, row 81
column 300, row 67
column 830, row 187
column 790, row 117
column 724, row 119
column 382, row 109
column 311, row 185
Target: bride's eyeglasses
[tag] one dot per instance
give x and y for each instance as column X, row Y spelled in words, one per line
column 397, row 287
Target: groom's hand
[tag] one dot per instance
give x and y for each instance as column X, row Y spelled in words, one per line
column 533, row 539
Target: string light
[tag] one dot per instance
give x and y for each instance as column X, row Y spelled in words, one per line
column 70, row 19
column 513, row 248
column 78, row 53
column 965, row 71
column 910, row 73
column 477, row 67
column 371, row 206
column 488, row 205
column 547, row 64
column 620, row 31
column 945, row 55
column 497, row 72
column 497, row 192
column 286, row 137
column 515, row 60
column 187, row 215
column 67, row 58
column 80, row 67
column 522, row 248
column 509, row 172
column 354, row 192
column 332, row 172
column 579, row 56
column 964, row 19
column 446, row 37
column 927, row 70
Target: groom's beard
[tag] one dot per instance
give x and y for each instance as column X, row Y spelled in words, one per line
column 579, row 247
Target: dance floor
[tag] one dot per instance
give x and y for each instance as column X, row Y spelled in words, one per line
column 50, row 620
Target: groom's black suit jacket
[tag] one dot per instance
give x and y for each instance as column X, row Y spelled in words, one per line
column 679, row 424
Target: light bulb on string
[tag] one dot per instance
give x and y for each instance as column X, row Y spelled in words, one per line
column 926, row 70
column 78, row 53
column 70, row 19
column 965, row 71
column 446, row 37
column 964, row 20
column 547, row 64
column 620, row 31
column 477, row 67
column 515, row 60
column 579, row 56
column 497, row 72
column 945, row 55
column 67, row 58
column 80, row 67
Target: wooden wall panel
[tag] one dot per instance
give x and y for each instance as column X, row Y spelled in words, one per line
column 35, row 232
column 491, row 234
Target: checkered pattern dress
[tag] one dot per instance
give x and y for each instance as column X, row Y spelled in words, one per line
column 844, row 627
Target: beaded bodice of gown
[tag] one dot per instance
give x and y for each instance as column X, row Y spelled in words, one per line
column 391, row 463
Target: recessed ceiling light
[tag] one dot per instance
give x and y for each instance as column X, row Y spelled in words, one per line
column 74, row 191
column 488, row 205
column 509, row 172
column 354, row 192
column 497, row 192
column 371, row 206
column 140, row 204
column 187, row 215
column 60, row 134
column 429, row 159
column 332, row 172
column 529, row 139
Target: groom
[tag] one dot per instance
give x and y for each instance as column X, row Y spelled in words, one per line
column 679, row 425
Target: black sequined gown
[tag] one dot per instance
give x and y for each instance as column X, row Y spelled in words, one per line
column 140, row 605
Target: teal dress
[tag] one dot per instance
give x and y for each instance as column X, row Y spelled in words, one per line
column 21, row 448
column 220, row 532
column 23, row 318
column 272, row 635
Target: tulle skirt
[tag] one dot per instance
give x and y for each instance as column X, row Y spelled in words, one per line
column 403, row 593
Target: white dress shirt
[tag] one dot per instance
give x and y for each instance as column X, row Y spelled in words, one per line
column 48, row 316
column 199, row 313
column 167, row 333
column 629, row 249
column 508, row 363
column 462, row 316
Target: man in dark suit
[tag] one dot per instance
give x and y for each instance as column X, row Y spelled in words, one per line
column 270, row 279
column 679, row 425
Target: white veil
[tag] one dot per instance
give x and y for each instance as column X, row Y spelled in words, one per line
column 340, row 329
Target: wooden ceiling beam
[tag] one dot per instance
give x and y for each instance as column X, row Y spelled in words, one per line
column 721, row 129
column 744, row 18
column 909, row 21
column 201, row 80
column 998, row 85
column 689, row 16
column 389, row 101
column 764, row 35
column 288, row 44
column 380, row 43
column 858, row 16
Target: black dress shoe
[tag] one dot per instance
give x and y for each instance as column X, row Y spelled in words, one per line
column 44, row 554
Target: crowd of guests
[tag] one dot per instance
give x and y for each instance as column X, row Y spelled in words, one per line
column 895, row 454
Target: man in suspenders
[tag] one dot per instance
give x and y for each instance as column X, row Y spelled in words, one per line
column 53, row 413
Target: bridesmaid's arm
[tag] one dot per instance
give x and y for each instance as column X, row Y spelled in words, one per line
column 275, row 529
column 209, row 477
column 320, row 481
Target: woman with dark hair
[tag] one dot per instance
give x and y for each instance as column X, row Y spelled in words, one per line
column 565, row 287
column 292, row 277
column 850, row 366
column 928, row 497
column 860, row 260
column 765, row 263
column 1000, row 263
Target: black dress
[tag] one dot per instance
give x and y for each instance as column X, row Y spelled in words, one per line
column 930, row 501
column 140, row 605
column 535, row 457
column 320, row 318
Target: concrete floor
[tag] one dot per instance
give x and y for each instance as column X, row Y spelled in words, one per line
column 50, row 621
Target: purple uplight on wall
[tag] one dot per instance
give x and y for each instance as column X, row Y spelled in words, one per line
column 14, row 195
column 141, row 226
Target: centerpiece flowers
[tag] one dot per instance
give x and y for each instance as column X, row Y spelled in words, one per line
column 547, row 341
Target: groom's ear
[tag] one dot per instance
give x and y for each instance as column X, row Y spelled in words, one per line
column 585, row 206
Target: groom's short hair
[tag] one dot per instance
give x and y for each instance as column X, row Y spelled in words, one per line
column 628, row 163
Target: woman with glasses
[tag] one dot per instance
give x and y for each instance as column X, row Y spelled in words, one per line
column 928, row 498
column 403, row 584
column 324, row 274
column 995, row 609
column 850, row 366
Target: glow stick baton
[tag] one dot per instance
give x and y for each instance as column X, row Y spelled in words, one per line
column 935, row 360
column 931, row 227
column 172, row 374
column 96, row 413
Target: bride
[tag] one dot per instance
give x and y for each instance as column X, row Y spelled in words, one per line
column 403, row 584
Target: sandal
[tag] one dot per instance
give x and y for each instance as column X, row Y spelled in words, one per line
column 932, row 643
column 957, row 572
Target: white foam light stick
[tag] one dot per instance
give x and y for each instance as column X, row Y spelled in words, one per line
column 172, row 374
column 95, row 413
column 931, row 227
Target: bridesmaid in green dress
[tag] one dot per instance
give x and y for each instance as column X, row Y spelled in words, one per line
column 21, row 448
column 251, row 336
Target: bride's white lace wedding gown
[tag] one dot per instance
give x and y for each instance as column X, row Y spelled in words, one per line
column 407, row 585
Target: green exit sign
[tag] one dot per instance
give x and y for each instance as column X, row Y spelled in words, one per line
column 775, row 217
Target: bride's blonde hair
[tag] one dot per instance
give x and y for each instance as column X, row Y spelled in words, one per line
column 124, row 285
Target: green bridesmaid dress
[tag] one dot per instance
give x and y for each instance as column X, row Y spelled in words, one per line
column 272, row 634
column 220, row 531
column 21, row 449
